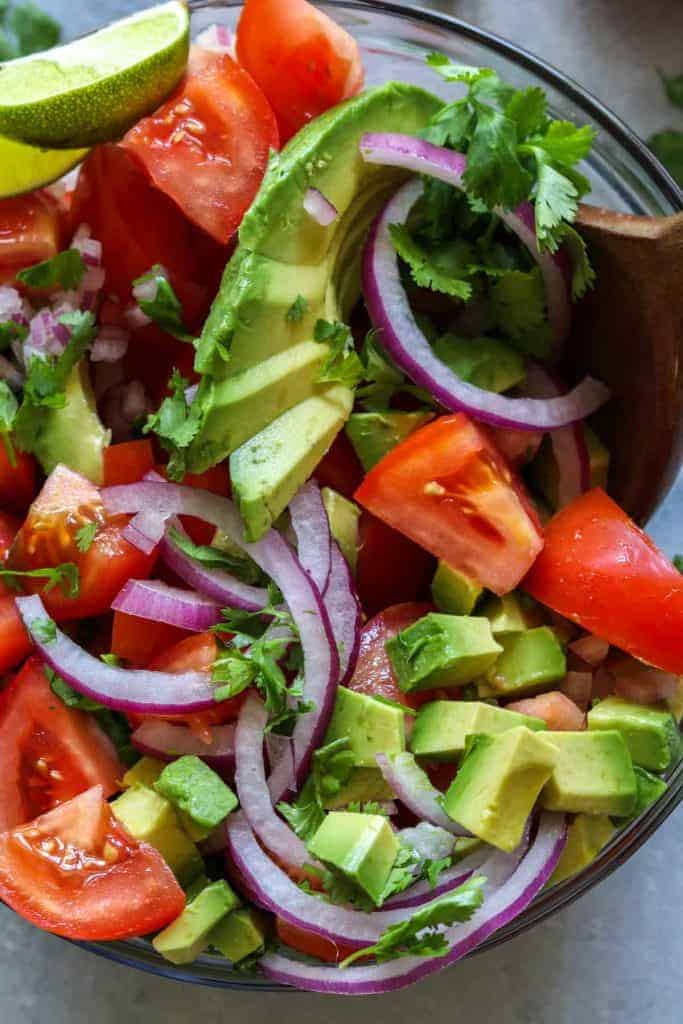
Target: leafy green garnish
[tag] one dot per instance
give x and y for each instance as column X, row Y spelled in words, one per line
column 306, row 814
column 26, row 30
column 518, row 306
column 678, row 562
column 8, row 412
column 237, row 564
column 44, row 630
column 85, row 536
column 65, row 576
column 433, row 869
column 11, row 331
column 330, row 770
column 343, row 364
column 422, row 933
column 382, row 380
column 425, row 272
column 165, row 308
column 176, row 423
column 65, row 270
column 296, row 311
column 112, row 723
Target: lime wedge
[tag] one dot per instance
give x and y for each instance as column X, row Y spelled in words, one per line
column 23, row 168
column 93, row 89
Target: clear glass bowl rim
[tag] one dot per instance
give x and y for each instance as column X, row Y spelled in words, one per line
column 210, row 971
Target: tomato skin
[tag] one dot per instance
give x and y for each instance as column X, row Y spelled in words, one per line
column 40, row 735
column 30, row 231
column 310, row 943
column 207, row 146
column 128, row 462
column 448, row 488
column 139, row 640
column 600, row 570
column 373, row 674
column 15, row 644
column 304, row 62
column 340, row 468
column 391, row 568
column 18, row 483
column 76, row 872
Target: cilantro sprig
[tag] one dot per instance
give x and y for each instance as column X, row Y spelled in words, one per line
column 65, row 576
column 237, row 563
column 297, row 310
column 176, row 423
column 65, row 270
column 165, row 308
column 342, row 365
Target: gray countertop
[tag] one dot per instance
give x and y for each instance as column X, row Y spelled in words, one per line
column 612, row 958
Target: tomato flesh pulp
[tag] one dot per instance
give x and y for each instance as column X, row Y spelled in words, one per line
column 207, row 147
column 76, row 872
column 48, row 752
column 599, row 569
column 30, row 231
column 449, row 489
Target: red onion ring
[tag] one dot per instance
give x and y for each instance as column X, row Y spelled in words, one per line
column 312, row 531
column 166, row 741
column 411, row 785
column 569, row 443
column 151, row 599
column 344, row 610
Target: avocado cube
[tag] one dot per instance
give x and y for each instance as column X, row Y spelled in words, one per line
column 441, row 727
column 511, row 613
column 529, row 663
column 146, row 771
column 374, row 434
column 593, row 774
column 73, row 433
column 441, row 651
column 371, row 727
column 362, row 786
column 586, row 836
column 343, row 516
column 362, row 846
column 186, row 937
column 484, row 362
column 239, row 934
column 151, row 819
column 498, row 784
column 453, row 592
column 651, row 734
column 197, row 791
column 649, row 789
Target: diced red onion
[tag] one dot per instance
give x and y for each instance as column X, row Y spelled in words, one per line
column 110, row 345
column 498, row 909
column 312, row 531
column 319, row 207
column 151, row 599
column 411, row 785
column 569, row 443
column 344, row 610
column 135, row 318
column 13, row 306
column 578, row 686
column 642, row 684
column 218, row 38
column 46, row 337
column 591, row 649
column 89, row 248
column 144, row 531
column 166, row 741
column 146, row 291
column 137, row 690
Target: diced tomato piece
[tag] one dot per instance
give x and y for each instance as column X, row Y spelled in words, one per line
column 75, row 871
column 207, row 147
column 304, row 62
column 600, row 570
column 128, row 462
column 556, row 709
column 518, row 446
column 310, row 943
column 373, row 673
column 340, row 469
column 449, row 489
column 18, row 482
column 30, row 231
column 140, row 640
column 48, row 752
column 391, row 568
column 15, row 644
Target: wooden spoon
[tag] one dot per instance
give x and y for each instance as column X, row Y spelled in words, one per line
column 628, row 332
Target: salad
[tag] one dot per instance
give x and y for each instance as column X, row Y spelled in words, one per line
column 323, row 649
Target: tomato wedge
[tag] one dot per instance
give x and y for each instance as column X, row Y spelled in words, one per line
column 128, row 462
column 48, row 752
column 207, row 147
column 76, row 872
column 30, row 231
column 18, row 482
column 449, row 489
column 391, row 568
column 304, row 62
column 599, row 569
column 139, row 640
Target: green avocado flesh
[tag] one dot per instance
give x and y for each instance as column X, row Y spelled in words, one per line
column 593, row 774
column 442, row 650
column 186, row 937
column 441, row 727
column 362, row 847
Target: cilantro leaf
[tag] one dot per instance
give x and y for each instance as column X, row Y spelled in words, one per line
column 176, row 423
column 34, row 29
column 65, row 270
column 44, row 630
column 494, row 172
column 11, row 331
column 296, row 311
column 518, row 306
column 583, row 275
column 528, row 109
column 673, row 87
column 305, row 815
column 434, row 868
column 8, row 412
column 85, row 536
column 235, row 670
column 165, row 308
column 678, row 562
column 343, row 364
column 557, row 200
column 456, row 72
column 667, row 146
column 236, row 562
column 404, row 872
column 331, row 769
column 425, row 272
column 65, row 576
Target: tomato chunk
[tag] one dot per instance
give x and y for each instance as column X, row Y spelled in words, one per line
column 373, row 674
column 76, row 872
column 599, row 569
column 310, row 943
column 18, row 482
column 48, row 752
column 391, row 568
column 139, row 640
column 556, row 709
column 304, row 62
column 30, row 231
column 207, row 147
column 449, row 489
column 128, row 462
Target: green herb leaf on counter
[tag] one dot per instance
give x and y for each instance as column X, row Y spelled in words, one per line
column 165, row 308
column 343, row 364
column 65, row 576
column 296, row 311
column 667, row 146
column 65, row 270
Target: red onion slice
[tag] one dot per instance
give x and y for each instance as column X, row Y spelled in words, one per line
column 591, row 649
column 344, row 610
column 312, row 531
column 319, row 207
column 144, row 531
column 569, row 443
column 411, row 785
column 166, row 741
column 217, row 38
column 137, row 690
column 498, row 909
column 151, row 599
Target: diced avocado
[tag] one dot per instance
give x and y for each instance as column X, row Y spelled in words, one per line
column 197, row 791
column 544, row 472
column 343, row 516
column 151, row 819
column 362, row 846
column 453, row 592
column 373, row 434
column 74, row 434
column 242, row 565
column 146, row 771
column 441, row 727
column 269, row 469
column 362, row 785
column 511, row 613
column 371, row 727
column 498, row 784
column 529, row 663
column 464, row 846
column 586, row 836
column 186, row 937
column 195, row 887
column 593, row 774
column 650, row 788
column 651, row 734
column 239, row 934
column 484, row 362
column 442, row 650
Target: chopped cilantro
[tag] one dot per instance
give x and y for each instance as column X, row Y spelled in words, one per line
column 518, row 306
column 111, row 659
column 237, row 563
column 85, row 536
column 331, row 769
column 8, row 412
column 343, row 364
column 165, row 308
column 433, row 868
column 296, row 311
column 44, row 630
column 65, row 270
column 65, row 576
column 425, row 272
column 11, row 331
column 306, row 814
column 176, row 423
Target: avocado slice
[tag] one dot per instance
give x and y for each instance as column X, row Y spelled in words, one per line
column 586, row 836
column 441, row 727
column 442, row 650
column 373, row 434
column 512, row 613
column 371, row 727
column 650, row 733
column 151, row 819
column 484, row 362
column 145, row 772
column 343, row 516
column 530, row 662
column 74, row 434
column 593, row 774
column 453, row 591
column 239, row 934
column 363, row 847
column 185, row 939
column 362, row 786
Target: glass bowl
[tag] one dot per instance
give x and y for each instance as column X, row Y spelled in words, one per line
column 625, row 176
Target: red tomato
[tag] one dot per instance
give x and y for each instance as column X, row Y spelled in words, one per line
column 14, row 640
column 556, row 709
column 139, row 226
column 448, row 488
column 75, row 871
column 30, row 232
column 373, row 673
column 67, row 503
column 310, row 943
column 18, row 482
column 304, row 62
column 48, row 752
column 518, row 446
column 391, row 569
column 599, row 569
column 126, row 463
column 207, row 147
column 340, row 469
column 139, row 640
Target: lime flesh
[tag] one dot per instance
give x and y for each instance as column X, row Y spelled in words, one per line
column 93, row 89
column 23, row 168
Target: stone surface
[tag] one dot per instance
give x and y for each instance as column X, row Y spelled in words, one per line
column 613, row 957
